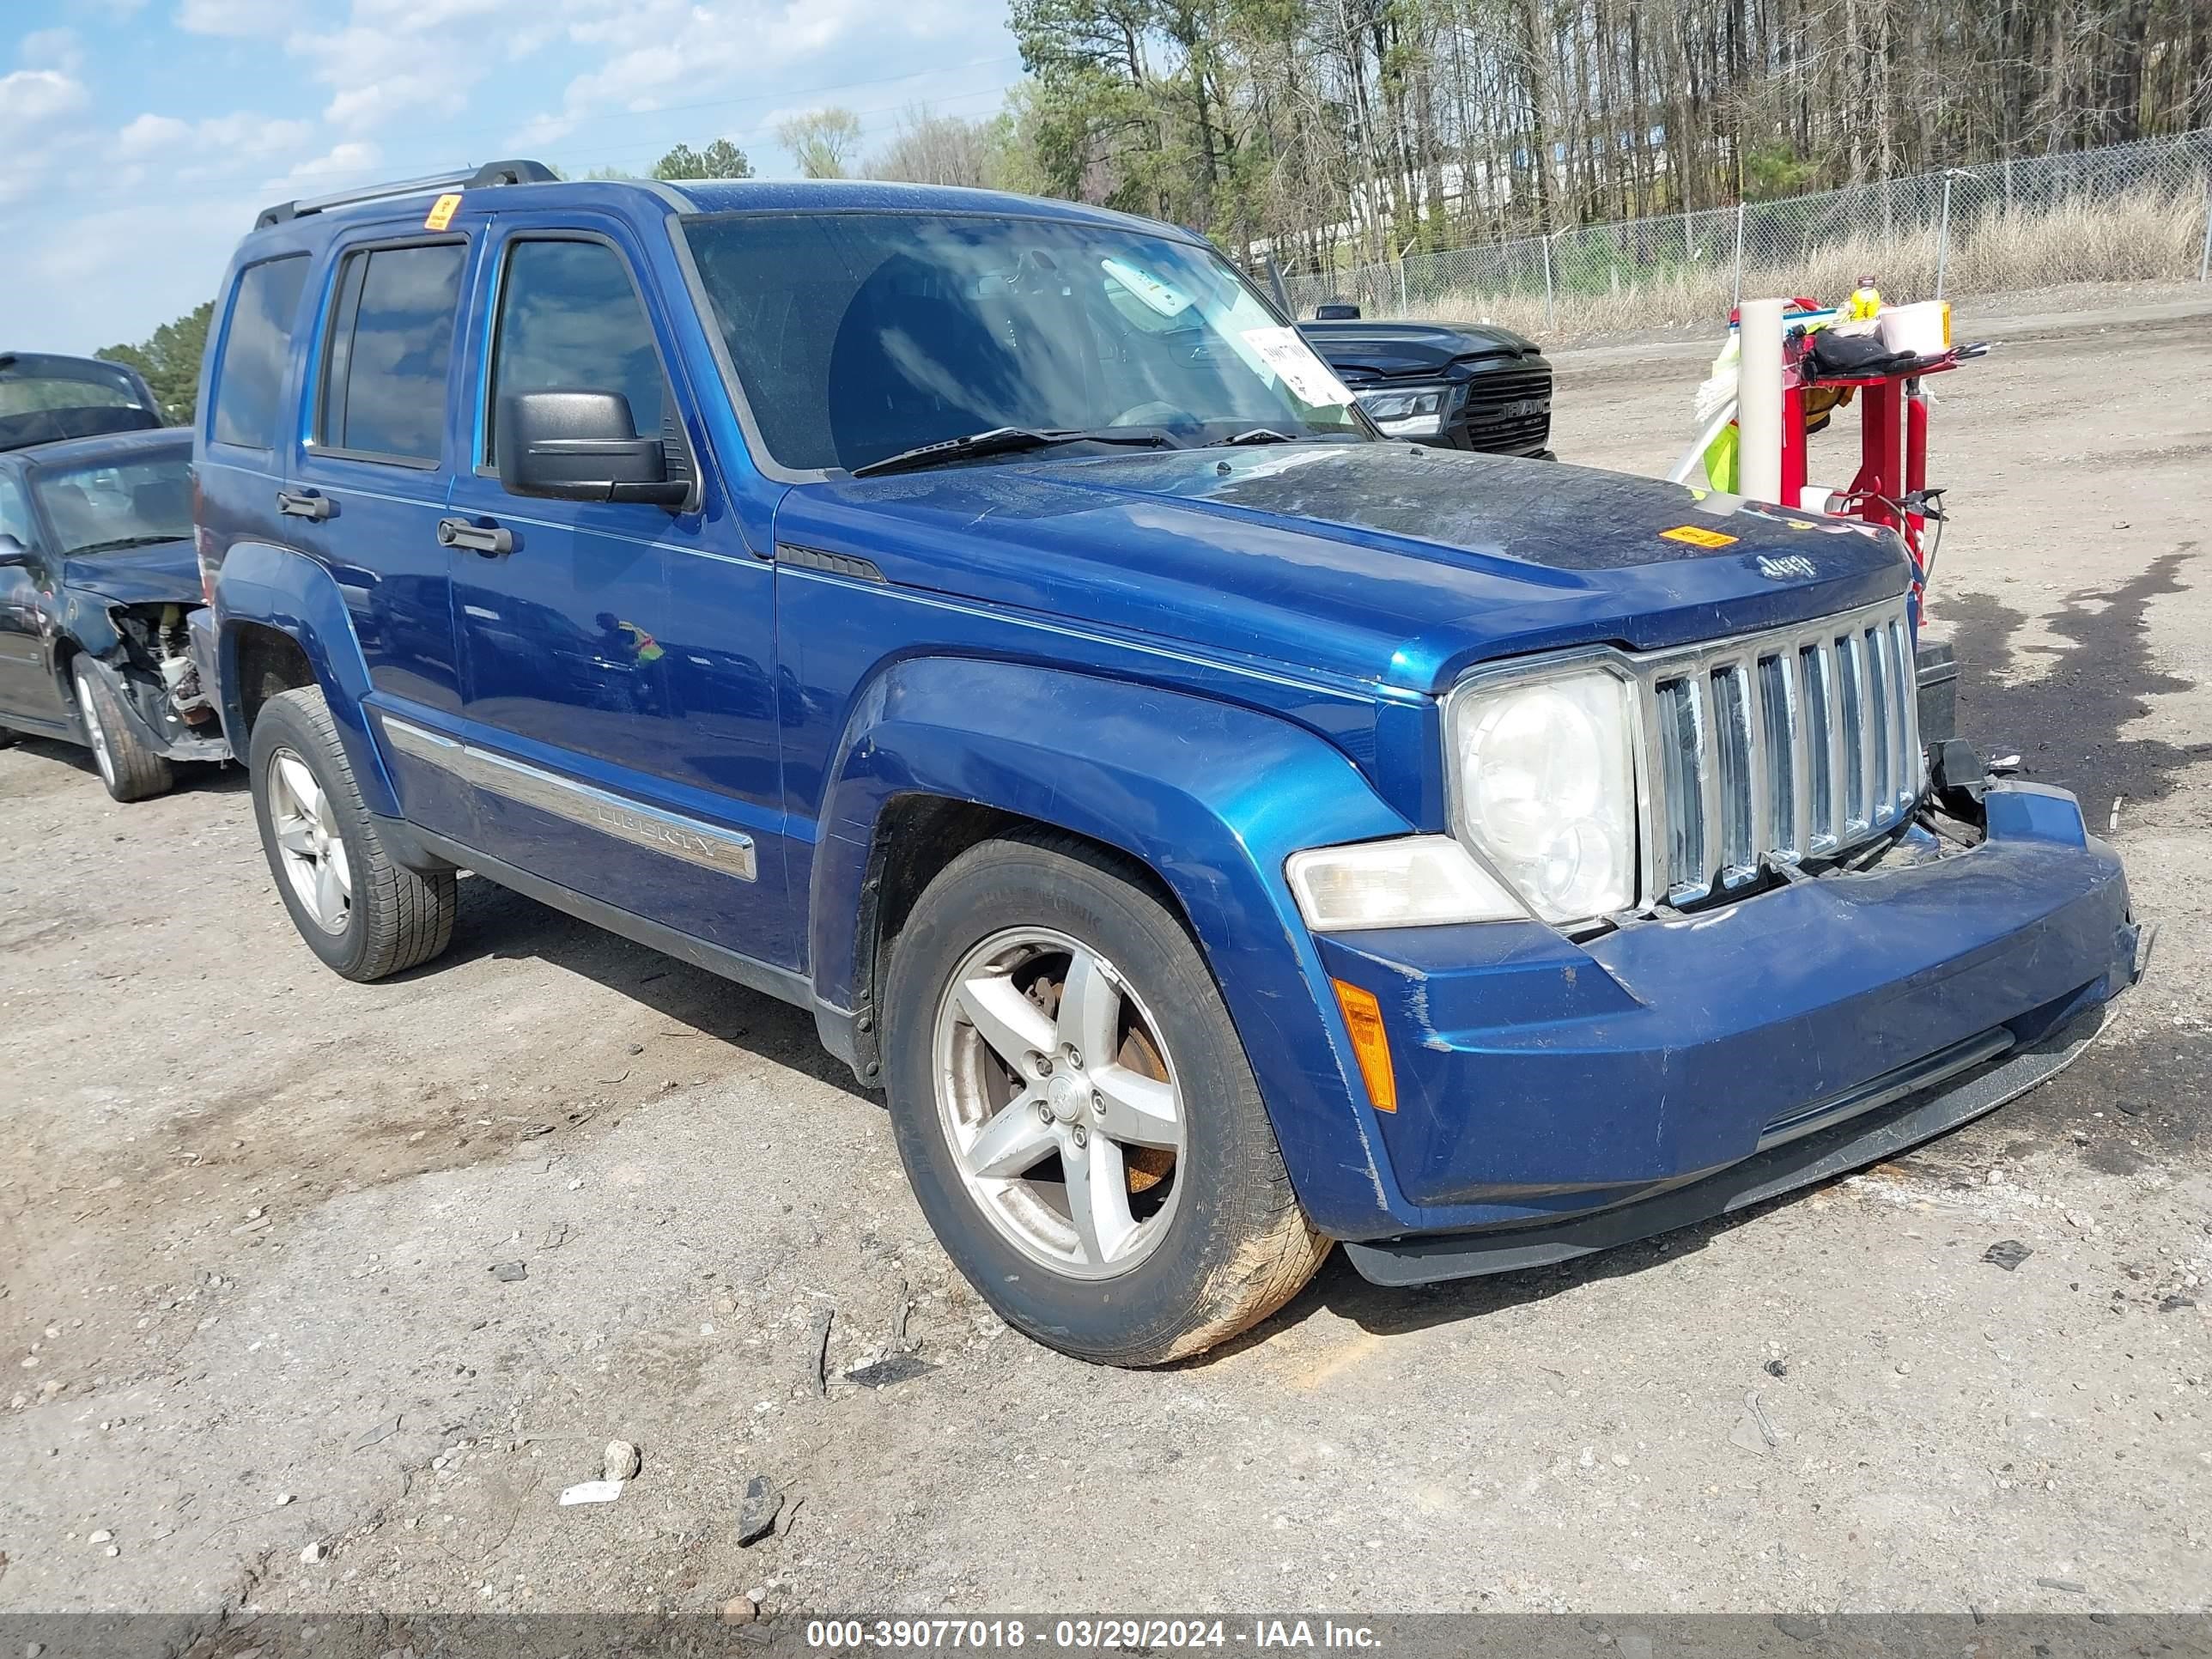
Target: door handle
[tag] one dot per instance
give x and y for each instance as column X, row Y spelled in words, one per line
column 488, row 539
column 305, row 504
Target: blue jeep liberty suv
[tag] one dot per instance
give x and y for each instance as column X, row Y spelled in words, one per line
column 1220, row 830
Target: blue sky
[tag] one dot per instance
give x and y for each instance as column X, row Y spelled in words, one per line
column 138, row 137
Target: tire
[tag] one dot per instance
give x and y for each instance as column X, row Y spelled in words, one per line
column 7, row 738
column 1220, row 1240
column 130, row 770
column 364, row 916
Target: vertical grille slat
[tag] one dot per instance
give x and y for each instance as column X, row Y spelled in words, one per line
column 1881, row 694
column 1733, row 774
column 1781, row 748
column 1680, row 742
column 1781, row 802
column 1851, row 704
column 1905, row 714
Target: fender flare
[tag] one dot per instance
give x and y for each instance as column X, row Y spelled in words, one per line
column 1209, row 796
column 279, row 588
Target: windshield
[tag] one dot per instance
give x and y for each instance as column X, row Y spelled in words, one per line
column 860, row 335
column 106, row 507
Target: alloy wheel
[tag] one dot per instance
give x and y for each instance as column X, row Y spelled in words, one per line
column 101, row 755
column 1060, row 1101
column 313, row 853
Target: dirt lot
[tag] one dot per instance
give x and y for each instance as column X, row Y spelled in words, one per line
column 249, row 1214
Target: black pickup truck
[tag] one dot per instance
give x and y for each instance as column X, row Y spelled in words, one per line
column 1459, row 386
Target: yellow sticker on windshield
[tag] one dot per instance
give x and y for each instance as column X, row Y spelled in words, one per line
column 442, row 211
column 1696, row 536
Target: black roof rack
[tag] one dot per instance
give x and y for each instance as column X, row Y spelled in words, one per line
column 491, row 173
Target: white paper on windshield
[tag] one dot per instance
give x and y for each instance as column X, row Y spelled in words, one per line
column 1287, row 356
column 1148, row 288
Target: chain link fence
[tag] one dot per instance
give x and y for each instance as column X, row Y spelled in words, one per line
column 2129, row 213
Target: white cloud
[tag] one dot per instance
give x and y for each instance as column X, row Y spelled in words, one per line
column 41, row 114
column 238, row 19
column 31, row 97
column 217, row 144
column 342, row 164
column 57, row 49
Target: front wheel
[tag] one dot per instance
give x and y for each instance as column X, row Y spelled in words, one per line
column 1075, row 1113
column 130, row 769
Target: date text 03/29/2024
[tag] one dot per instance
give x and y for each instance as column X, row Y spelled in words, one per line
column 1085, row 1635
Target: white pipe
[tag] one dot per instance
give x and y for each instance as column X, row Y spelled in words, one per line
column 1758, row 394
column 1694, row 456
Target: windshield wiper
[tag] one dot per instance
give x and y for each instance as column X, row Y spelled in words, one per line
column 123, row 543
column 1257, row 434
column 1007, row 441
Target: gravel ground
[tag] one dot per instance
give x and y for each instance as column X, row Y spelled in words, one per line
column 250, row 1216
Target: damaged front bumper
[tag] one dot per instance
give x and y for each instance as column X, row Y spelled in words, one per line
column 153, row 717
column 1556, row 1097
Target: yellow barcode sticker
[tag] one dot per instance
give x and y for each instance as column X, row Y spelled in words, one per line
column 442, row 211
column 1697, row 536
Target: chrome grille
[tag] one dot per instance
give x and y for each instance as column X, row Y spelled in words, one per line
column 1776, row 747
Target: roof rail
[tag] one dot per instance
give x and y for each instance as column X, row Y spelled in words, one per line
column 491, row 173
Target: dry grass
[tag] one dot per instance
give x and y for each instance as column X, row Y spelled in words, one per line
column 2145, row 234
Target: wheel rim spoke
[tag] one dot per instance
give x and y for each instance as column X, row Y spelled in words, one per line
column 1013, row 1143
column 1098, row 1199
column 293, row 836
column 1080, row 1171
column 1137, row 1110
column 334, row 860
column 1014, row 1026
column 1089, row 1007
column 302, row 798
column 330, row 895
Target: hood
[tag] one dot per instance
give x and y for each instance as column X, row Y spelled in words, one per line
column 1364, row 353
column 1381, row 563
column 167, row 574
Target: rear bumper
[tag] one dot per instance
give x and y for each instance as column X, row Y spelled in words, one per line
column 1543, row 1082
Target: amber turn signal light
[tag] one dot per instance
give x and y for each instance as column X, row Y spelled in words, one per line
column 1362, row 1016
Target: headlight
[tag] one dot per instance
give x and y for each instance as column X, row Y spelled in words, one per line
column 1544, row 783
column 1403, row 405
column 1413, row 881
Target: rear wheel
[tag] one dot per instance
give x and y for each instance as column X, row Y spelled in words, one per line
column 1076, row 1114
column 364, row 916
column 130, row 769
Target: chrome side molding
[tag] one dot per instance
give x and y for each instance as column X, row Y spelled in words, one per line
column 707, row 845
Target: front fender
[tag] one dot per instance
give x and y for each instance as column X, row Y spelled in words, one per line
column 1211, row 796
column 276, row 587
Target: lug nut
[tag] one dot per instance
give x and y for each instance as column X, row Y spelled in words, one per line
column 1075, row 1060
column 1082, row 1135
column 1044, row 1113
column 1044, row 1065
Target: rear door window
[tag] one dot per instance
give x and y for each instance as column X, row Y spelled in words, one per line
column 391, row 343
column 249, row 377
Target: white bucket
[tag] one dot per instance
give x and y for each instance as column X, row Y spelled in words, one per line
column 1924, row 330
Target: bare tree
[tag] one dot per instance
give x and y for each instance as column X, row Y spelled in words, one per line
column 821, row 141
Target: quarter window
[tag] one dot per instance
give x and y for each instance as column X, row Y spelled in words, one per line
column 249, row 379
column 570, row 321
column 392, row 337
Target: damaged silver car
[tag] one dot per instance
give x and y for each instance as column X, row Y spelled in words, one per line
column 97, row 577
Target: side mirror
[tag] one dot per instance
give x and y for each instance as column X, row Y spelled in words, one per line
column 1336, row 313
column 13, row 553
column 581, row 446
